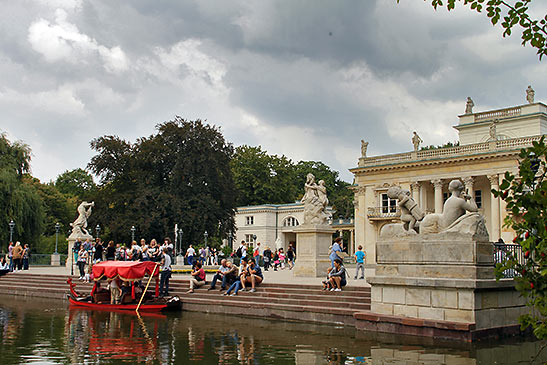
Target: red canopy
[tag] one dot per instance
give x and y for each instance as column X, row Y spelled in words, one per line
column 125, row 270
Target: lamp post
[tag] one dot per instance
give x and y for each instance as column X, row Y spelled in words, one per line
column 180, row 257
column 133, row 233
column 57, row 227
column 11, row 227
column 98, row 230
column 205, row 235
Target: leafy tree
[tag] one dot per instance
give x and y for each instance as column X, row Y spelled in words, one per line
column 179, row 175
column 508, row 13
column 526, row 197
column 77, row 183
column 19, row 201
column 261, row 178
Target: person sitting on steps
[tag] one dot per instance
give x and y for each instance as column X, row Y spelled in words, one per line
column 253, row 275
column 337, row 276
column 198, row 277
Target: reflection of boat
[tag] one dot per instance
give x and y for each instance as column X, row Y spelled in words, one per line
column 116, row 335
column 129, row 272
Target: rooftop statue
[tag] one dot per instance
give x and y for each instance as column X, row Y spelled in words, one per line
column 315, row 202
column 469, row 106
column 80, row 224
column 530, row 93
column 416, row 140
column 364, row 146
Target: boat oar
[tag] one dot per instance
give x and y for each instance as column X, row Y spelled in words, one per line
column 147, row 285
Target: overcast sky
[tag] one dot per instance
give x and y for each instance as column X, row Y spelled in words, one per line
column 307, row 79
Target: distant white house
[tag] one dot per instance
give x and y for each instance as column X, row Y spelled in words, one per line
column 267, row 222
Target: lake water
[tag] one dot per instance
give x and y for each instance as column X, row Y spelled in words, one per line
column 38, row 331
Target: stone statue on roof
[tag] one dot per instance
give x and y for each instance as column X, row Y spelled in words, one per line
column 416, row 140
column 530, row 93
column 364, row 146
column 469, row 106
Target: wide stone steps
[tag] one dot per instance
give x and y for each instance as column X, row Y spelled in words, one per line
column 287, row 301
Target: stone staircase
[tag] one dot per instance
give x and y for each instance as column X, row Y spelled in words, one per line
column 271, row 300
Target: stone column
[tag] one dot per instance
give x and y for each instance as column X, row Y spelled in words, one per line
column 495, row 209
column 438, row 184
column 415, row 186
column 468, row 182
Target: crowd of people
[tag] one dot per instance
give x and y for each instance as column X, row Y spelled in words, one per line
column 18, row 257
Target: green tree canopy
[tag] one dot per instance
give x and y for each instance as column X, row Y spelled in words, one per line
column 77, row 183
column 179, row 175
column 19, row 201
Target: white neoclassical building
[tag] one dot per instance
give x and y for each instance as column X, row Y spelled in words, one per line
column 268, row 222
column 489, row 145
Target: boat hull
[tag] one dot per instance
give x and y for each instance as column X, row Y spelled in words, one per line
column 174, row 304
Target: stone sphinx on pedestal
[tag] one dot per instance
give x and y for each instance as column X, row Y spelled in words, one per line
column 314, row 236
column 445, row 273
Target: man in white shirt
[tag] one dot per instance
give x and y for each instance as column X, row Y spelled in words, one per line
column 190, row 253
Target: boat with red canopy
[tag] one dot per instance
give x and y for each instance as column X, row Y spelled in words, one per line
column 134, row 297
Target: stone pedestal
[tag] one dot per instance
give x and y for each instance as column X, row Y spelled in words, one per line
column 312, row 250
column 55, row 259
column 70, row 260
column 443, row 277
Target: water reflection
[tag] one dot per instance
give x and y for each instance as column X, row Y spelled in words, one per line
column 34, row 331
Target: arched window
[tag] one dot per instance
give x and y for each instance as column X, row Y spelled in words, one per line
column 290, row 222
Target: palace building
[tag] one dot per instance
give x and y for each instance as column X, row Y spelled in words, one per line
column 489, row 144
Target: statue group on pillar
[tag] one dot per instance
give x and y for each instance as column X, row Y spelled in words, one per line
column 315, row 201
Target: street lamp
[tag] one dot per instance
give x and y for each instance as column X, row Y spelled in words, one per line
column 57, row 227
column 133, row 233
column 180, row 240
column 11, row 227
column 98, row 230
column 205, row 235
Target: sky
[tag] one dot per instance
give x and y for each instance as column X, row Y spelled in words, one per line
column 306, row 79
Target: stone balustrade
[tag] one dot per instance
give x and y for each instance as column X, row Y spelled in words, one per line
column 448, row 152
column 496, row 114
column 383, row 212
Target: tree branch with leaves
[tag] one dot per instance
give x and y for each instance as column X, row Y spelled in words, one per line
column 508, row 14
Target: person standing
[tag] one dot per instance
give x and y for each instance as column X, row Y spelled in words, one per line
column 267, row 257
column 257, row 253
column 10, row 256
column 82, row 259
column 290, row 256
column 26, row 256
column 334, row 252
column 110, row 251
column 165, row 273
column 190, row 253
column 17, row 254
column 98, row 254
column 360, row 256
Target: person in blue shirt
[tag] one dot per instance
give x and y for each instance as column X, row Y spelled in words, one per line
column 335, row 250
column 360, row 261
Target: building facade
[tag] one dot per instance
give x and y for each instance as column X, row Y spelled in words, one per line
column 489, row 144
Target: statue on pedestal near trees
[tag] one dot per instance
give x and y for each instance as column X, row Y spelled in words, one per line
column 80, row 224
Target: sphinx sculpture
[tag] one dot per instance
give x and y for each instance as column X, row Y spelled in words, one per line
column 460, row 214
column 315, row 202
column 80, row 224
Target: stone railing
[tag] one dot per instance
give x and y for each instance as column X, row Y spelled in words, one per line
column 502, row 113
column 470, row 149
column 383, row 212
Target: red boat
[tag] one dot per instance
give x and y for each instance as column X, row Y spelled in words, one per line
column 129, row 272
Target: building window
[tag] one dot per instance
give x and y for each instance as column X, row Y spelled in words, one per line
column 478, row 198
column 249, row 238
column 290, row 222
column 388, row 205
column 249, row 220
